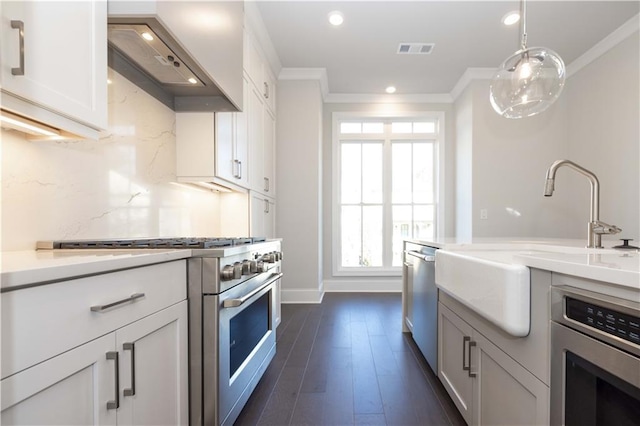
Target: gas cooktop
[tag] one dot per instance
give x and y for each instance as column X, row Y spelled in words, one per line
column 151, row 243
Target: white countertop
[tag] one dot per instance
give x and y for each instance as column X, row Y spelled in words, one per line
column 566, row 256
column 20, row 268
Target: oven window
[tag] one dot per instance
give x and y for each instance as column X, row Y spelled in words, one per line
column 596, row 397
column 246, row 330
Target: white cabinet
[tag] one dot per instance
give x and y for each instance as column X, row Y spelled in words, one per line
column 53, row 73
column 64, row 390
column 263, row 215
column 259, row 72
column 70, row 358
column 212, row 146
column 487, row 385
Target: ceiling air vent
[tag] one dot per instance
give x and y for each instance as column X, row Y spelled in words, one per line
column 415, row 48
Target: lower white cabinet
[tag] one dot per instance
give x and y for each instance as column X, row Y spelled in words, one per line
column 487, row 385
column 135, row 373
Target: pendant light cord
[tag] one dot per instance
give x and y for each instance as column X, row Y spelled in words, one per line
column 523, row 24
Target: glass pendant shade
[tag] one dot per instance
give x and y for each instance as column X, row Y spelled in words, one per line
column 527, row 83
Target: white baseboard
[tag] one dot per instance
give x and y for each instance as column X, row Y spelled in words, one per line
column 363, row 286
column 300, row 295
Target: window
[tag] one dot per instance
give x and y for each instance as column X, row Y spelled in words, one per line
column 385, row 191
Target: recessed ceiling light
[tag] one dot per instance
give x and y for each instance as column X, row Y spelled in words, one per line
column 390, row 89
column 147, row 36
column 193, row 80
column 336, row 18
column 511, row 17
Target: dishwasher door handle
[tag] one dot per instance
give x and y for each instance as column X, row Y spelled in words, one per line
column 425, row 257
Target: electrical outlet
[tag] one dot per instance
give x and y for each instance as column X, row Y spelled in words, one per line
column 484, row 214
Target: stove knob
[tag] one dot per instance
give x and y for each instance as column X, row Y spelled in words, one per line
column 262, row 266
column 237, row 270
column 278, row 256
column 269, row 257
column 249, row 267
column 227, row 273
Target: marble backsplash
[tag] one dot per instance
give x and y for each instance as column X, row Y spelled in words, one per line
column 122, row 185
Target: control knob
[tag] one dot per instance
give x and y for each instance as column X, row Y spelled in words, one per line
column 231, row 272
column 249, row 267
column 262, row 266
column 269, row 257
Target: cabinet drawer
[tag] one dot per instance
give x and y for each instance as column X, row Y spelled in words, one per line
column 41, row 322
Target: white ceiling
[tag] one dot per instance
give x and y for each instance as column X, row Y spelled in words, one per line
column 360, row 56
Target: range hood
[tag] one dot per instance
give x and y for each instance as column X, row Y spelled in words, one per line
column 144, row 52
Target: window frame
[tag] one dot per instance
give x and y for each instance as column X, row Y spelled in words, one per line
column 439, row 161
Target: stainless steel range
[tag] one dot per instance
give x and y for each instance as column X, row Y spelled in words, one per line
column 233, row 288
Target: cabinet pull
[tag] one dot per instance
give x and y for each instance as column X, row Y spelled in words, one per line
column 266, row 90
column 115, row 404
column 102, row 308
column 19, row 25
column 266, row 184
column 471, row 344
column 131, row 347
column 239, row 169
column 266, row 206
column 465, row 340
column 236, row 169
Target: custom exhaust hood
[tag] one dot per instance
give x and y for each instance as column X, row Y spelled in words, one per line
column 144, row 52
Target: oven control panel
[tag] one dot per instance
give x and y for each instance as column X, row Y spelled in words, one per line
column 609, row 321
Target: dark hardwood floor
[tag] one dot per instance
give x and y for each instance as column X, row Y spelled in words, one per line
column 346, row 362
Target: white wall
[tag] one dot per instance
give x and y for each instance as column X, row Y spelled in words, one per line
column 604, row 137
column 299, row 176
column 594, row 123
column 118, row 186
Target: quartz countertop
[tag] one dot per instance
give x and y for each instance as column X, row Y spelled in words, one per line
column 23, row 268
column 565, row 256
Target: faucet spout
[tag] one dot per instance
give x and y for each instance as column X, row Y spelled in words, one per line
column 594, row 239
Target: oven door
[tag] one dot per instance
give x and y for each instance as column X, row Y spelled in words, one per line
column 592, row 383
column 238, row 344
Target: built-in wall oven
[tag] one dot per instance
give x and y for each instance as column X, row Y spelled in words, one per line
column 595, row 359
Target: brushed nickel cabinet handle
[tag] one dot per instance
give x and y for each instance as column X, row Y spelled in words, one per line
column 239, row 169
column 234, row 303
column 131, row 347
column 102, row 308
column 115, row 404
column 19, row 25
column 471, row 344
column 465, row 340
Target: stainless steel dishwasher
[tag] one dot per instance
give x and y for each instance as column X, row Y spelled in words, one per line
column 424, row 301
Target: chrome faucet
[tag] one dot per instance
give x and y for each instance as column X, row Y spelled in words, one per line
column 595, row 227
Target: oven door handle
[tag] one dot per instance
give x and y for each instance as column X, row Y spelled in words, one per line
column 234, row 303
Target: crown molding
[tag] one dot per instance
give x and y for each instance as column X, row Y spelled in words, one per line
column 471, row 74
column 319, row 74
column 604, row 45
column 468, row 76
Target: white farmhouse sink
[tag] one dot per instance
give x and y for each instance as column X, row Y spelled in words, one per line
column 489, row 283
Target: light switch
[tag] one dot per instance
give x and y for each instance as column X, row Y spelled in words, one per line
column 484, row 214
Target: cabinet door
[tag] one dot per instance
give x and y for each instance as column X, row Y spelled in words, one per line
column 241, row 146
column 258, row 207
column 70, row 389
column 226, row 165
column 505, row 392
column 269, row 153
column 154, row 368
column 65, row 66
column 256, row 140
column 453, row 357
column 270, row 219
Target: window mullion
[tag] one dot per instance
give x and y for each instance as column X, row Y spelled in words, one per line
column 387, row 189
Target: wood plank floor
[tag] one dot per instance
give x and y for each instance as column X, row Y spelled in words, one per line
column 346, row 362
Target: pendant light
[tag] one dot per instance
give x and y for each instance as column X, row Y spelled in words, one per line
column 529, row 81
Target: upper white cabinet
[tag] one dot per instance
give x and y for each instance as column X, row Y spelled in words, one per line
column 263, row 216
column 259, row 71
column 54, row 63
column 210, row 31
column 213, row 146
